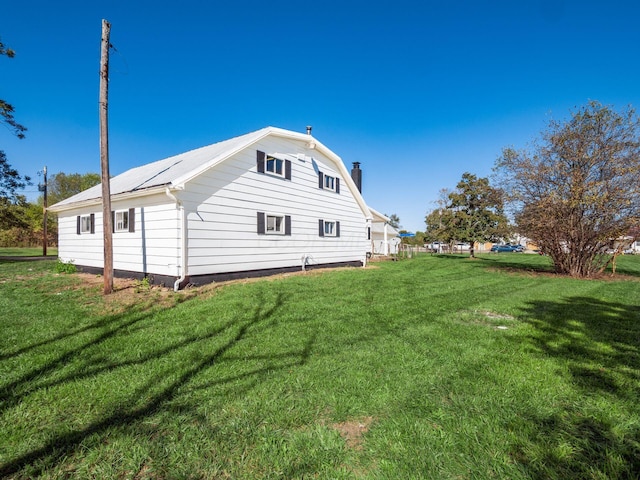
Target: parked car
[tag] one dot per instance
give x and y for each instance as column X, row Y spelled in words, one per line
column 507, row 248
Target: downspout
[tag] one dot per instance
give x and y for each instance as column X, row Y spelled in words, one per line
column 183, row 239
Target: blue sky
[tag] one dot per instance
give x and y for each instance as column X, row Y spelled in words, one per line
column 419, row 92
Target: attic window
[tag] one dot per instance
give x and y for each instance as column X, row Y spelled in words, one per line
column 272, row 165
column 275, row 166
column 328, row 182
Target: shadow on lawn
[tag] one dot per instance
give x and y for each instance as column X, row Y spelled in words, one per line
column 600, row 343
column 156, row 400
column 542, row 264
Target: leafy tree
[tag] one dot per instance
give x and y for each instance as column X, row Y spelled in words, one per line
column 577, row 189
column 61, row 185
column 10, row 179
column 473, row 212
column 478, row 210
column 394, row 221
column 13, row 212
column 441, row 226
column 6, row 109
column 11, row 204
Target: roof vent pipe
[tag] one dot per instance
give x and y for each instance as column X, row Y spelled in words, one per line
column 309, row 127
column 356, row 175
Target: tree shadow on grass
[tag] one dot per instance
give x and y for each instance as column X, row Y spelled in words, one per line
column 530, row 263
column 599, row 342
column 158, row 395
column 517, row 262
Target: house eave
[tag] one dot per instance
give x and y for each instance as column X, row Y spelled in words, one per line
column 114, row 198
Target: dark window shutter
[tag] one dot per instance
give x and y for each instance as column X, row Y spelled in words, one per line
column 261, row 223
column 337, row 185
column 113, row 222
column 78, row 225
column 287, row 224
column 337, row 229
column 93, row 223
column 320, row 180
column 368, row 233
column 132, row 219
column 287, row 169
column 260, row 160
column 321, row 228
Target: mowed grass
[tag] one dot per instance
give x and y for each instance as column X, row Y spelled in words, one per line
column 434, row 367
column 27, row 251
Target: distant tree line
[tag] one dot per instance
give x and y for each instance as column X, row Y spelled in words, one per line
column 23, row 222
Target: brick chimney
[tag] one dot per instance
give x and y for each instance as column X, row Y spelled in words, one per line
column 356, row 175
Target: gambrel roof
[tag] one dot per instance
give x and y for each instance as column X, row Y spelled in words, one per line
column 174, row 172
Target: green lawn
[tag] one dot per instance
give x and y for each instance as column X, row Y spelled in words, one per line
column 435, row 367
column 27, row 252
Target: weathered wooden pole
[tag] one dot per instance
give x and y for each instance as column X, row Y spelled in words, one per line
column 107, row 223
column 44, row 213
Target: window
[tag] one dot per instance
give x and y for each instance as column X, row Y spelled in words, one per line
column 123, row 220
column 273, row 165
column 273, row 224
column 328, row 228
column 327, row 182
column 85, row 224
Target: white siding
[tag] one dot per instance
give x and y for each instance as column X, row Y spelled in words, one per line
column 152, row 248
column 222, row 206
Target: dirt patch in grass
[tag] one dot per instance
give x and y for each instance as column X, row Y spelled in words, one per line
column 353, row 430
column 129, row 292
column 485, row 318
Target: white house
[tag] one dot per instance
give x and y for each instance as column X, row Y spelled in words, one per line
column 268, row 201
column 384, row 238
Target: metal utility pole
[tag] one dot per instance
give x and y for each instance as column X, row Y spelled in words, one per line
column 107, row 223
